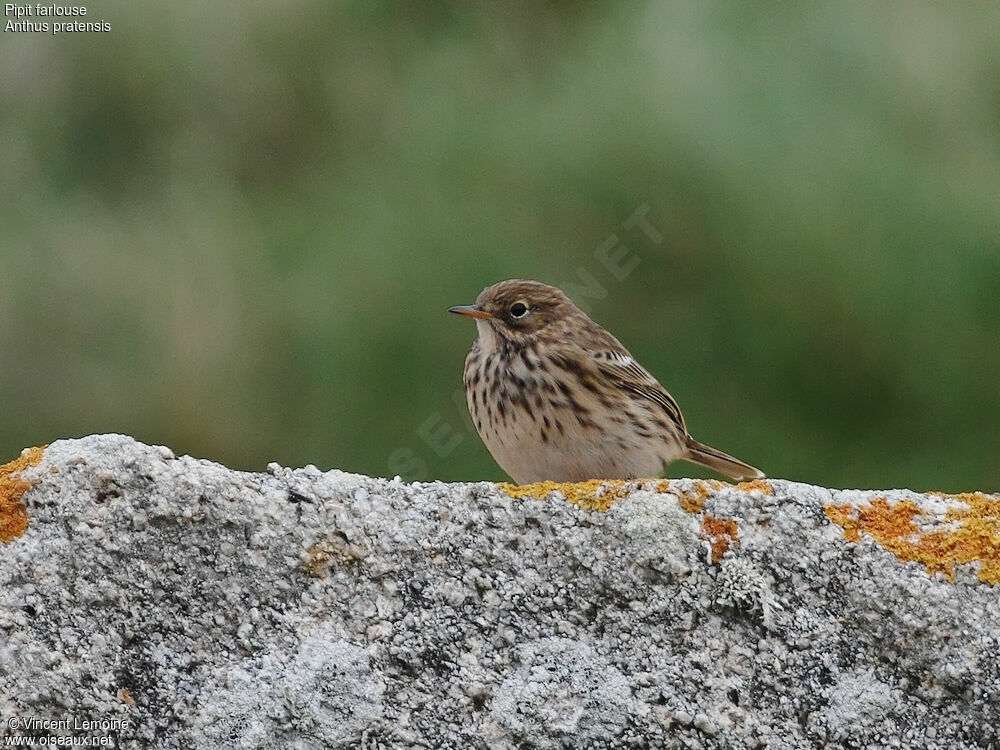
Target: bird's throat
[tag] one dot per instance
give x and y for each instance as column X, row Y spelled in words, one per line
column 489, row 340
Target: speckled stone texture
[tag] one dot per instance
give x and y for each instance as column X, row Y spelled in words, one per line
column 211, row 608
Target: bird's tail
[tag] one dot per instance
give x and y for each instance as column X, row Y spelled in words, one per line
column 706, row 455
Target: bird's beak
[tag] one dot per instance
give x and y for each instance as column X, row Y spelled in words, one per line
column 470, row 311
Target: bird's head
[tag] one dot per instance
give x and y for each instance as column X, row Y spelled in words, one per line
column 518, row 310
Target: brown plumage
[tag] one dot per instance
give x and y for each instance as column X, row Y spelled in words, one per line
column 555, row 396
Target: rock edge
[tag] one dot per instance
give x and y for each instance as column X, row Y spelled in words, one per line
column 172, row 602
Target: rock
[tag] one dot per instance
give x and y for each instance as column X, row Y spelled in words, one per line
column 169, row 602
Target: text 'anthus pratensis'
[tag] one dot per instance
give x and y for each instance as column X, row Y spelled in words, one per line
column 555, row 396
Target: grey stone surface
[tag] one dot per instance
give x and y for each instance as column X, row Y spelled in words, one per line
column 204, row 607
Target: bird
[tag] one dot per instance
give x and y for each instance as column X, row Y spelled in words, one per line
column 556, row 397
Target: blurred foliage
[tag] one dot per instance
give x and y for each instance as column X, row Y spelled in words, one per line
column 234, row 228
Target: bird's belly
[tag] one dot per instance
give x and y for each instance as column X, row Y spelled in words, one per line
column 576, row 453
column 539, row 429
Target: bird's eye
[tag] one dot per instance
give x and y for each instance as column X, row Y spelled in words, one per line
column 518, row 310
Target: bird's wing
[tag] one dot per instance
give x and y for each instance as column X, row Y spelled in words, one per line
column 619, row 367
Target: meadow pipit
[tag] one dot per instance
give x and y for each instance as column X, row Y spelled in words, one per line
column 555, row 396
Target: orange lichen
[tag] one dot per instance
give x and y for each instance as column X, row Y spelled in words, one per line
column 939, row 541
column 336, row 548
column 722, row 533
column 317, row 560
column 594, row 494
column 693, row 502
column 601, row 494
column 13, row 513
column 762, row 485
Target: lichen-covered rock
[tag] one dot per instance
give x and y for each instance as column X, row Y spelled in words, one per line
column 163, row 601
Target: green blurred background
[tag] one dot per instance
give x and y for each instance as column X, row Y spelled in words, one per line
column 234, row 228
